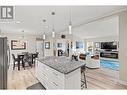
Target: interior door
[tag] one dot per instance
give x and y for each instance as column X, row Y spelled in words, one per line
column 40, row 48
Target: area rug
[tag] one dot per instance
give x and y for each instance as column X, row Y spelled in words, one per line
column 37, row 86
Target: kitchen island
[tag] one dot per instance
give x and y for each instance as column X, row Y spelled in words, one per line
column 59, row 72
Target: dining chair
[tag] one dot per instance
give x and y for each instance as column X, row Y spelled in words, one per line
column 14, row 61
column 28, row 59
column 34, row 56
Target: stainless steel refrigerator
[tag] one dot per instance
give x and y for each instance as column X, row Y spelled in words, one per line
column 4, row 62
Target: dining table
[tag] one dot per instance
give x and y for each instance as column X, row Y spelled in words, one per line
column 21, row 57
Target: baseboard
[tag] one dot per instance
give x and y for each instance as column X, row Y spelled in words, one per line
column 122, row 82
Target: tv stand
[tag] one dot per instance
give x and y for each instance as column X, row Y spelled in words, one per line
column 109, row 54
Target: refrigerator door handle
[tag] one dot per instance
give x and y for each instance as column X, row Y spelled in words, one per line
column 9, row 57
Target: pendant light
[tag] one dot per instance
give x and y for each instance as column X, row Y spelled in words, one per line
column 53, row 29
column 23, row 34
column 70, row 23
column 44, row 28
column 21, row 38
column 43, row 36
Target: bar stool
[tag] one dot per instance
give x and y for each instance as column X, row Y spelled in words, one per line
column 83, row 72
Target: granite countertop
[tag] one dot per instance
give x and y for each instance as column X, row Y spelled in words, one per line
column 61, row 64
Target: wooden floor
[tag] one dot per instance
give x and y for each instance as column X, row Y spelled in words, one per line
column 103, row 79
column 96, row 79
column 21, row 79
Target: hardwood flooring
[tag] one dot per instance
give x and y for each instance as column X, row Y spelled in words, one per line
column 21, row 79
column 103, row 79
column 96, row 79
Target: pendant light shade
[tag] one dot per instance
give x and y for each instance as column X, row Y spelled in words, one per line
column 53, row 33
column 70, row 23
column 43, row 36
column 44, row 29
column 70, row 29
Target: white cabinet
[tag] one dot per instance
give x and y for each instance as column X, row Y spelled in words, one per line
column 53, row 79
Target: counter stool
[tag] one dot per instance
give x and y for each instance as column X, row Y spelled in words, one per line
column 83, row 72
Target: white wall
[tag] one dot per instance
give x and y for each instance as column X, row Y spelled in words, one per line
column 103, row 39
column 64, row 44
column 123, row 46
column 48, row 52
column 40, row 48
column 78, row 39
column 30, row 43
column 108, row 26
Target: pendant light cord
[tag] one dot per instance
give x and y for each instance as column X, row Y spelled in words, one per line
column 23, row 34
column 53, row 18
column 44, row 25
column 70, row 16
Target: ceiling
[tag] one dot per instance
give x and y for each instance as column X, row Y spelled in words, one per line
column 101, row 28
column 31, row 19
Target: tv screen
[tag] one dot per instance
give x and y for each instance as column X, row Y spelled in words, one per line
column 108, row 45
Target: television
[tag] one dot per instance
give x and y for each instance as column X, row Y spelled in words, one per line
column 108, row 45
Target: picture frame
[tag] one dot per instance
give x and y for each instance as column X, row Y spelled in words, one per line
column 97, row 44
column 59, row 45
column 47, row 45
column 18, row 45
column 79, row 45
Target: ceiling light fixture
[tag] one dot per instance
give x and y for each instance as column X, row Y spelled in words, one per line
column 23, row 34
column 44, row 29
column 53, row 29
column 70, row 23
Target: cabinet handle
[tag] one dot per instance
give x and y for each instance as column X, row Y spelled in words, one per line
column 55, row 74
column 55, row 84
